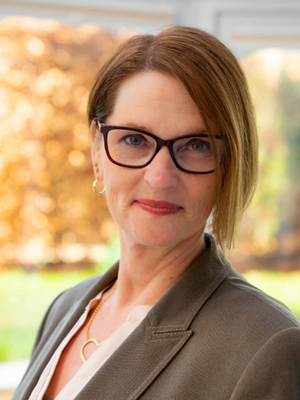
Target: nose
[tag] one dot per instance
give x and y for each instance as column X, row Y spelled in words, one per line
column 162, row 173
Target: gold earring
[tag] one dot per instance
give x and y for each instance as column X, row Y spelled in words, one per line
column 96, row 167
column 95, row 187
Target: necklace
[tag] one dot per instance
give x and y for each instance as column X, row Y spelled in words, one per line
column 113, row 288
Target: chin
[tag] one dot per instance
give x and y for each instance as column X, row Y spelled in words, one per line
column 159, row 242
column 151, row 237
column 160, row 238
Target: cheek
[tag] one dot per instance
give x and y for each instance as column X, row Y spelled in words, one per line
column 205, row 198
column 117, row 186
column 211, row 194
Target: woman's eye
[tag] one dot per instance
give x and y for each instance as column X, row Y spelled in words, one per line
column 198, row 145
column 134, row 140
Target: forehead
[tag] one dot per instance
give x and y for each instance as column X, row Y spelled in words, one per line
column 152, row 99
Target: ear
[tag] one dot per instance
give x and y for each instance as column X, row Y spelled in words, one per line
column 96, row 150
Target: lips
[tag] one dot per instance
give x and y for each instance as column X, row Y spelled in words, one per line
column 158, row 207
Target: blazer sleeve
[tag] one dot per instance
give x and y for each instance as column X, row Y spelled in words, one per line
column 274, row 371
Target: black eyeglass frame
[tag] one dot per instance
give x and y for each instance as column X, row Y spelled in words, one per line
column 105, row 129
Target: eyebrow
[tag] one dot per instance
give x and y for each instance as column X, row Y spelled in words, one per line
column 143, row 128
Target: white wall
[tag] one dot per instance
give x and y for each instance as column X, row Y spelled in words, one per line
column 247, row 25
column 244, row 25
column 147, row 15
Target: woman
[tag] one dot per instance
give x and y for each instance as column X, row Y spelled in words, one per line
column 174, row 144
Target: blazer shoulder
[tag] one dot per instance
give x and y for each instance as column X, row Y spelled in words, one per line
column 61, row 304
column 64, row 300
column 78, row 291
column 258, row 304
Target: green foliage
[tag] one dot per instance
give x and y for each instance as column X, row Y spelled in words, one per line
column 272, row 222
column 112, row 255
column 24, row 298
column 282, row 286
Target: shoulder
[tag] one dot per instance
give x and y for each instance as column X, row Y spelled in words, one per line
column 240, row 316
column 247, row 317
column 254, row 336
column 244, row 305
column 80, row 295
column 62, row 304
column 254, row 302
column 75, row 293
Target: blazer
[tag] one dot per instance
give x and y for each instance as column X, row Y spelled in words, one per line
column 212, row 336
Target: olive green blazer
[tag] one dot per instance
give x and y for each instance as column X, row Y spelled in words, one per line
column 212, row 336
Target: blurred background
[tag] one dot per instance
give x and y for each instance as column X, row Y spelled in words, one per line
column 54, row 231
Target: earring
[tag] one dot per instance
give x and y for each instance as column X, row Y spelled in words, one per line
column 95, row 187
column 96, row 167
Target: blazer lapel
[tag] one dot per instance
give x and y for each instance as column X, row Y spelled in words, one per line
column 135, row 365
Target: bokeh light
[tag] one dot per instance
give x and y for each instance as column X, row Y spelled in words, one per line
column 48, row 212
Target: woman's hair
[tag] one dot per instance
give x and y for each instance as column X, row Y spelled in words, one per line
column 216, row 83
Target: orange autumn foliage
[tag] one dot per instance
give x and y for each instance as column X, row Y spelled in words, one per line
column 46, row 198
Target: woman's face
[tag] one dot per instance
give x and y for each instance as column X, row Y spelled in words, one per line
column 158, row 205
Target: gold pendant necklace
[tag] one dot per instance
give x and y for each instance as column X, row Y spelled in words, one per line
column 113, row 288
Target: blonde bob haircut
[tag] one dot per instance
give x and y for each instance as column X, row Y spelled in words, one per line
column 216, row 83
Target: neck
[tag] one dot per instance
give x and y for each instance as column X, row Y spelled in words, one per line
column 147, row 273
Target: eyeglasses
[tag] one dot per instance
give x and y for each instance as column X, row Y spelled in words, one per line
column 135, row 148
